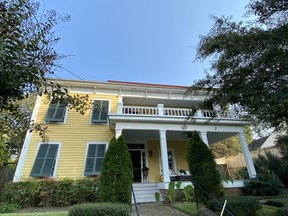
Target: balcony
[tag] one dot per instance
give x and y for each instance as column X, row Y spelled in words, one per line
column 160, row 111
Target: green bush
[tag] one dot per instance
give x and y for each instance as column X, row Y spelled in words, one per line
column 99, row 209
column 188, row 193
column 203, row 170
column 8, row 208
column 274, row 203
column 116, row 173
column 281, row 212
column 238, row 206
column 48, row 192
column 263, row 185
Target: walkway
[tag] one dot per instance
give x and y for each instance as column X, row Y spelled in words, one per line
column 156, row 209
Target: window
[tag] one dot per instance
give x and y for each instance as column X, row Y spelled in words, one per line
column 56, row 112
column 94, row 159
column 170, row 160
column 44, row 163
column 100, row 111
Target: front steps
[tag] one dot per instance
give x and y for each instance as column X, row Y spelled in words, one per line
column 145, row 192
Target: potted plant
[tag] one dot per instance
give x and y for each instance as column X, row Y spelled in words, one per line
column 182, row 172
column 145, row 171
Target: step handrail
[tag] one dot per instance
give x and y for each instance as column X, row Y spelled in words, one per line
column 134, row 198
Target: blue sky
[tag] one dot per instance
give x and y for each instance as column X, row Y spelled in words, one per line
column 151, row 41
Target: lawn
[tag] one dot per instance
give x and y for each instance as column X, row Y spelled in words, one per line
column 58, row 213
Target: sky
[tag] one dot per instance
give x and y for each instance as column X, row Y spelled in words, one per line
column 149, row 41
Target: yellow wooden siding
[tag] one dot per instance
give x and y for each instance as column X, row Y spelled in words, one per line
column 179, row 148
column 73, row 137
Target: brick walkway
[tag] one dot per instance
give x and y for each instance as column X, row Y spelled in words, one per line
column 156, row 209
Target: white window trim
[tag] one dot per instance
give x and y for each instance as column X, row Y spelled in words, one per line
column 57, row 156
column 174, row 160
column 65, row 116
column 86, row 152
column 91, row 111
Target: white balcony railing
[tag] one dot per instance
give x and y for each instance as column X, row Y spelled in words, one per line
column 175, row 112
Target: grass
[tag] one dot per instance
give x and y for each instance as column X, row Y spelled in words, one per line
column 189, row 208
column 59, row 213
column 267, row 210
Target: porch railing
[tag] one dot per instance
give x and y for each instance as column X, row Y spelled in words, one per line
column 175, row 112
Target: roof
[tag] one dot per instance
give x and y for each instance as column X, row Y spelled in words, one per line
column 264, row 142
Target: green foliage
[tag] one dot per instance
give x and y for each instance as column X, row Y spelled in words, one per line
column 270, row 162
column 171, row 192
column 263, row 185
column 238, row 206
column 203, row 168
column 116, row 173
column 188, row 193
column 8, row 208
column 249, row 62
column 275, row 203
column 47, row 192
column 281, row 212
column 99, row 209
column 157, row 197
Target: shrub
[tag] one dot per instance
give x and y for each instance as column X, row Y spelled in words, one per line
column 48, row 192
column 157, row 197
column 8, row 208
column 99, row 209
column 203, row 170
column 188, row 193
column 116, row 173
column 274, row 203
column 281, row 212
column 263, row 185
column 171, row 192
column 238, row 206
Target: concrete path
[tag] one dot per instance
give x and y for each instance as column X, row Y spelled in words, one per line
column 156, row 209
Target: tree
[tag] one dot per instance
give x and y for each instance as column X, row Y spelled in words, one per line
column 116, row 173
column 249, row 66
column 14, row 128
column 27, row 54
column 27, row 57
column 202, row 167
column 230, row 146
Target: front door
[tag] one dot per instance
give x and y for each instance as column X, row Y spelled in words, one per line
column 136, row 162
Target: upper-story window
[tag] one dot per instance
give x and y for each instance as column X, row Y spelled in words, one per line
column 56, row 112
column 100, row 111
column 45, row 161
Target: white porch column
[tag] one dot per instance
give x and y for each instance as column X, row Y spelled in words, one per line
column 160, row 108
column 120, row 105
column 247, row 156
column 164, row 156
column 203, row 135
column 118, row 132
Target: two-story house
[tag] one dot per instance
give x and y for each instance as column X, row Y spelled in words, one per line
column 152, row 118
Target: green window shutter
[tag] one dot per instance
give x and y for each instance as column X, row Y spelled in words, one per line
column 94, row 159
column 45, row 160
column 56, row 112
column 100, row 111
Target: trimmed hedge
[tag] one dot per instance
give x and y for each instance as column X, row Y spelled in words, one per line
column 50, row 192
column 100, row 209
column 239, row 206
column 281, row 212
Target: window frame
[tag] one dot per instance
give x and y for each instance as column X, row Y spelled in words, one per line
column 92, row 111
column 51, row 121
column 86, row 156
column 56, row 159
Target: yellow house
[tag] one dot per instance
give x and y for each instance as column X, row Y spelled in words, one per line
column 151, row 117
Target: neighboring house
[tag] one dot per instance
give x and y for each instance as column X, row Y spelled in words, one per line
column 232, row 164
column 152, row 118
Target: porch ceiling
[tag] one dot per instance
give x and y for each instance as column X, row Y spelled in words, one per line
column 143, row 135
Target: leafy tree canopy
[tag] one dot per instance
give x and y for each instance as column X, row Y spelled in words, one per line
column 249, row 62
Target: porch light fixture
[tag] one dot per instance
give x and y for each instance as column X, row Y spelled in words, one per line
column 150, row 153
